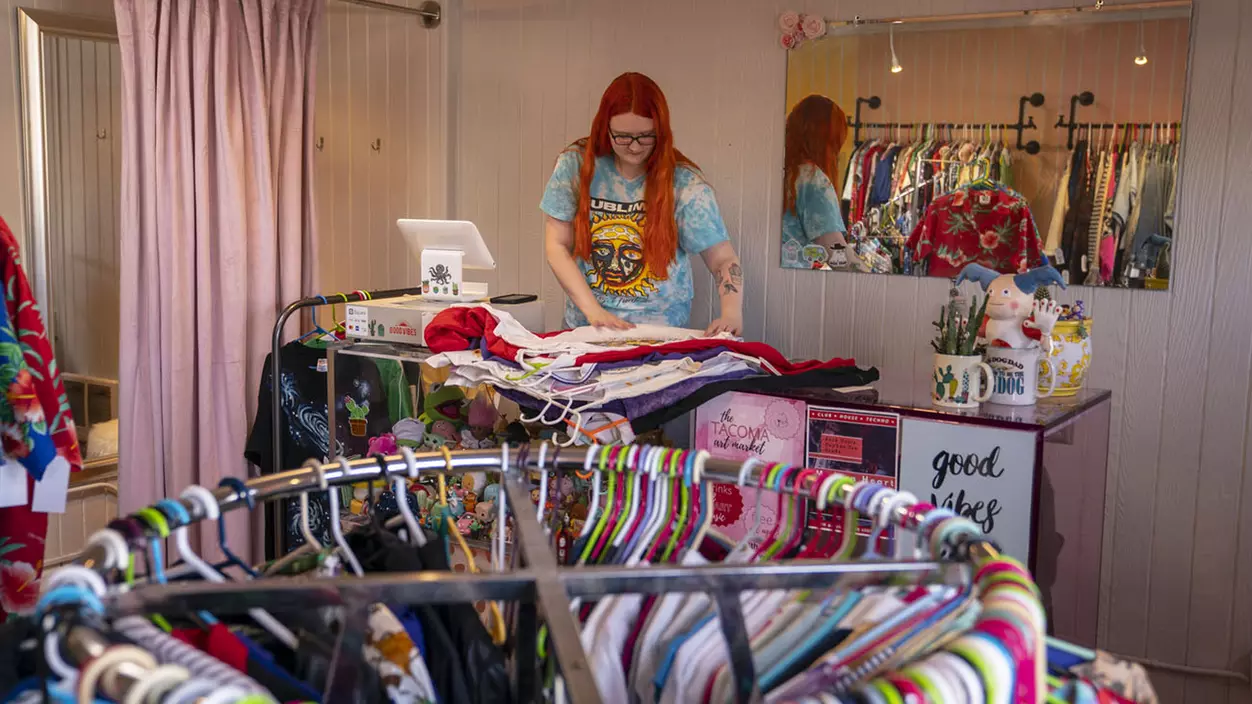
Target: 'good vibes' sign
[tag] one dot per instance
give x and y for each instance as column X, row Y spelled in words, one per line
column 983, row 474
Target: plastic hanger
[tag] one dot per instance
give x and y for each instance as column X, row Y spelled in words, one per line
column 502, row 508
column 634, row 499
column 628, row 504
column 400, row 488
column 800, row 516
column 648, row 504
column 657, row 508
column 706, row 498
column 606, row 512
column 685, row 515
column 204, row 499
column 595, row 490
column 543, row 482
column 672, row 492
column 774, row 482
column 336, row 529
column 305, row 531
column 740, row 550
column 241, row 489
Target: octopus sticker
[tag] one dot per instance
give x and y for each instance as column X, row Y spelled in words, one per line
column 617, row 265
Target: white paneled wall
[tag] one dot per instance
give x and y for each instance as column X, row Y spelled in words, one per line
column 83, row 97
column 379, row 123
column 1177, row 578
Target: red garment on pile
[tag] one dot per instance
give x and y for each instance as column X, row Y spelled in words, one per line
column 988, row 226
column 460, row 328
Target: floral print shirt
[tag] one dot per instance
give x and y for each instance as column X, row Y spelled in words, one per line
column 977, row 224
column 33, row 411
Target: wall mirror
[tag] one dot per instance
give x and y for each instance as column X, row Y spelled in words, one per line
column 917, row 146
column 70, row 77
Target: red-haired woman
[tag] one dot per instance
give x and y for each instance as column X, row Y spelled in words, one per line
column 625, row 209
column 816, row 129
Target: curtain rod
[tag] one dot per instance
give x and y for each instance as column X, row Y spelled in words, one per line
column 1092, row 11
column 430, row 12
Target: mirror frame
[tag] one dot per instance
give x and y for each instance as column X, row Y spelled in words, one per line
column 33, row 26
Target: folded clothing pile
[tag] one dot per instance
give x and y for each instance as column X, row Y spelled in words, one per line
column 649, row 374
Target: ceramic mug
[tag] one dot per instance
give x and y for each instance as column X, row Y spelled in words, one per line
column 1015, row 377
column 957, row 381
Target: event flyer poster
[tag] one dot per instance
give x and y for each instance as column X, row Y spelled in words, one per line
column 865, row 444
column 736, row 426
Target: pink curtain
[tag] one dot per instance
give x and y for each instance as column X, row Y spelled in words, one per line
column 217, row 229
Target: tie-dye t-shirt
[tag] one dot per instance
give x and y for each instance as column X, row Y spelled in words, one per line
column 616, row 273
column 816, row 214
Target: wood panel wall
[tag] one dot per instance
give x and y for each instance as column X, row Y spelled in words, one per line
column 1177, row 573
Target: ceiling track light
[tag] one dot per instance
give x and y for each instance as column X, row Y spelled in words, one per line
column 895, row 61
column 1141, row 58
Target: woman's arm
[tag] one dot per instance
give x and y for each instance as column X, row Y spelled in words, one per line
column 723, row 263
column 558, row 241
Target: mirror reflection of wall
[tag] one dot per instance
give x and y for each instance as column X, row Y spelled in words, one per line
column 960, row 145
column 82, row 88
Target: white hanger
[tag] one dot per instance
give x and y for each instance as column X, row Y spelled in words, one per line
column 543, row 483
column 742, row 548
column 335, row 529
column 305, row 531
column 876, row 501
column 595, row 491
column 900, row 549
column 657, row 511
column 497, row 556
column 208, row 504
column 706, row 498
column 116, row 552
column 636, row 480
column 416, row 535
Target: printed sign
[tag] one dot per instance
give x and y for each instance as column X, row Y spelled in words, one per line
column 357, row 321
column 984, row 474
column 865, row 444
column 736, row 426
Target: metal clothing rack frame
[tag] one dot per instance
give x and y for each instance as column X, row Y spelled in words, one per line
column 1023, row 122
column 1086, row 99
column 430, row 12
column 276, row 350
column 540, row 585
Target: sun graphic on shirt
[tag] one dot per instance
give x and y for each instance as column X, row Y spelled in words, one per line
column 617, row 265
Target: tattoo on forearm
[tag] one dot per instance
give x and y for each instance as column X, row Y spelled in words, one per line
column 730, row 279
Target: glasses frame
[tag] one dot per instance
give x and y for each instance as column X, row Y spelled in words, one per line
column 630, row 139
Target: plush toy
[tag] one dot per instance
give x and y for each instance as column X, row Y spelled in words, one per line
column 446, row 430
column 409, row 431
column 443, row 403
column 1014, row 317
column 485, row 512
column 384, row 444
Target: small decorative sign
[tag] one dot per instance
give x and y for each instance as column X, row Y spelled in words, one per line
column 984, row 474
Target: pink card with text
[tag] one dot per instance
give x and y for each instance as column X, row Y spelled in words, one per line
column 736, row 426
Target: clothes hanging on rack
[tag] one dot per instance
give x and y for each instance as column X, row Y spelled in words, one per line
column 40, row 443
column 891, row 184
column 981, row 223
column 1115, row 211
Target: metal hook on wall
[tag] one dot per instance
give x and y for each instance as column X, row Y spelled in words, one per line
column 377, row 145
column 321, row 143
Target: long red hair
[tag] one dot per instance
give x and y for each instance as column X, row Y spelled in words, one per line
column 816, row 130
column 638, row 94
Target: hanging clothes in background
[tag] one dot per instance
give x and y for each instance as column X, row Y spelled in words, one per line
column 982, row 223
column 891, row 181
column 1113, row 219
column 39, row 439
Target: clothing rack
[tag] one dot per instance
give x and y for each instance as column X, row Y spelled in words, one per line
column 276, row 350
column 1023, row 122
column 1086, row 99
column 540, row 585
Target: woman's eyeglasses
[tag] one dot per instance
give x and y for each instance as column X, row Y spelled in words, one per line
column 625, row 140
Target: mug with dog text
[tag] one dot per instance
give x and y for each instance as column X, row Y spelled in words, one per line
column 1015, row 376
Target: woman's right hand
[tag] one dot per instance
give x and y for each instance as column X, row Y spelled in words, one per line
column 601, row 318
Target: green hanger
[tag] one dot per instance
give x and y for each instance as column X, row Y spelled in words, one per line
column 681, row 524
column 630, row 491
column 604, row 513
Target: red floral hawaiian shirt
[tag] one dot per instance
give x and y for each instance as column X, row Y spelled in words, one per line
column 991, row 226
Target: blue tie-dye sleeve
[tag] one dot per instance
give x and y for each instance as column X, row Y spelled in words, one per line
column 700, row 224
column 817, row 204
column 560, row 198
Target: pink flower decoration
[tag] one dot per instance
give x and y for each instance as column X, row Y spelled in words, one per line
column 814, row 26
column 989, row 239
column 788, row 22
column 788, row 41
column 19, row 587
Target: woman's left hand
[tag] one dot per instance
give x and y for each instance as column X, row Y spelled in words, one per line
column 729, row 322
